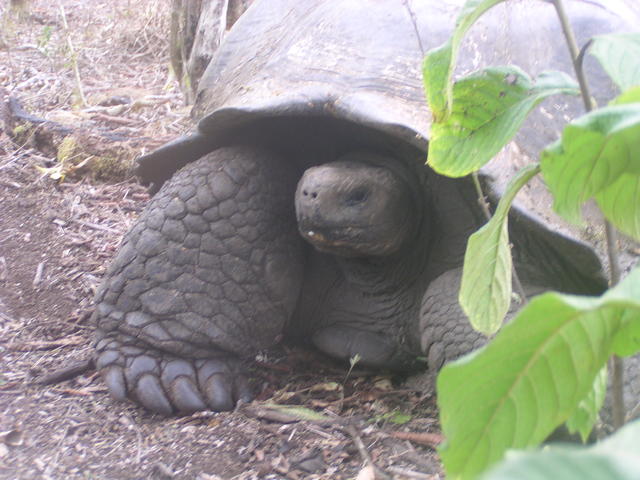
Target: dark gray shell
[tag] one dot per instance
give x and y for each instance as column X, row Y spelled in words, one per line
column 321, row 77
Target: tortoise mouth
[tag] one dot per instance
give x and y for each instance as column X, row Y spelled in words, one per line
column 348, row 241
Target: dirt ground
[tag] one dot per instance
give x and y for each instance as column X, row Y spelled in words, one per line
column 60, row 224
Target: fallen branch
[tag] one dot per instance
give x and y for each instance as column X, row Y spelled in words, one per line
column 68, row 372
column 428, row 439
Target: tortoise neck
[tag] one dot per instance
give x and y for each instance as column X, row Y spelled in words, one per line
column 398, row 272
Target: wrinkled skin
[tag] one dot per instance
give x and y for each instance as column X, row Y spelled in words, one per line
column 217, row 268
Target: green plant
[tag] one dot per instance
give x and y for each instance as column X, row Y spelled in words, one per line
column 44, row 39
column 616, row 458
column 352, row 363
column 535, row 375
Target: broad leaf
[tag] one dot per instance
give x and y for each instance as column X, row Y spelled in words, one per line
column 630, row 96
column 487, row 110
column 586, row 414
column 530, row 377
column 439, row 63
column 627, row 341
column 619, row 55
column 620, row 202
column 616, row 458
column 595, row 150
column 485, row 290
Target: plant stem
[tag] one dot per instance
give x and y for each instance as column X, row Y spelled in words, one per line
column 616, row 364
column 487, row 213
column 617, row 391
column 576, row 57
column 612, row 252
column 74, row 56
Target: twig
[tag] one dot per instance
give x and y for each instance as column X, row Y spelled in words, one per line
column 617, row 392
column 45, row 344
column 67, row 373
column 577, row 56
column 364, row 454
column 482, row 200
column 112, row 119
column 634, row 413
column 38, row 276
column 74, row 55
column 617, row 363
column 612, row 253
column 411, row 474
column 429, row 439
column 3, row 269
column 6, row 317
column 95, row 226
column 51, row 466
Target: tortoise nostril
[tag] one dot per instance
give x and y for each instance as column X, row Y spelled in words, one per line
column 309, row 193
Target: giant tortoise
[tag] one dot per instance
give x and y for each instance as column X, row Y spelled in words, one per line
column 301, row 205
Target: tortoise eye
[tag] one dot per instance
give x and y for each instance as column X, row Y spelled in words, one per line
column 359, row 195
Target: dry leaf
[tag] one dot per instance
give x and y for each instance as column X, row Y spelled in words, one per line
column 367, row 473
column 12, row 438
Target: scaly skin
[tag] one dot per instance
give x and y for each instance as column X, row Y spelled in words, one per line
column 445, row 331
column 213, row 271
column 207, row 277
column 384, row 295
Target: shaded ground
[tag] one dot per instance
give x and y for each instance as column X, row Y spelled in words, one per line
column 56, row 239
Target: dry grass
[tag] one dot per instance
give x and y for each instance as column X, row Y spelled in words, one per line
column 106, row 76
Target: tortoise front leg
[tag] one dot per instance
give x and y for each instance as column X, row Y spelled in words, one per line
column 207, row 277
column 445, row 331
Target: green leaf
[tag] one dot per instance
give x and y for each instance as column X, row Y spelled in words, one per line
column 529, row 379
column 487, row 110
column 620, row 203
column 396, row 417
column 630, row 96
column 296, row 412
column 595, row 150
column 439, row 63
column 586, row 414
column 485, row 290
column 627, row 341
column 616, row 458
column 619, row 55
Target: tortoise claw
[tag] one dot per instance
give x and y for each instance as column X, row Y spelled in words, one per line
column 150, row 393
column 114, row 378
column 218, row 390
column 186, row 396
column 169, row 385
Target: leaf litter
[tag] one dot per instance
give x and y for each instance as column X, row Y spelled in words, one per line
column 61, row 221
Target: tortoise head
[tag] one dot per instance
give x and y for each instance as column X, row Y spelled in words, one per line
column 360, row 205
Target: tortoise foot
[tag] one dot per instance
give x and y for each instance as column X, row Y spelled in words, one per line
column 167, row 384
